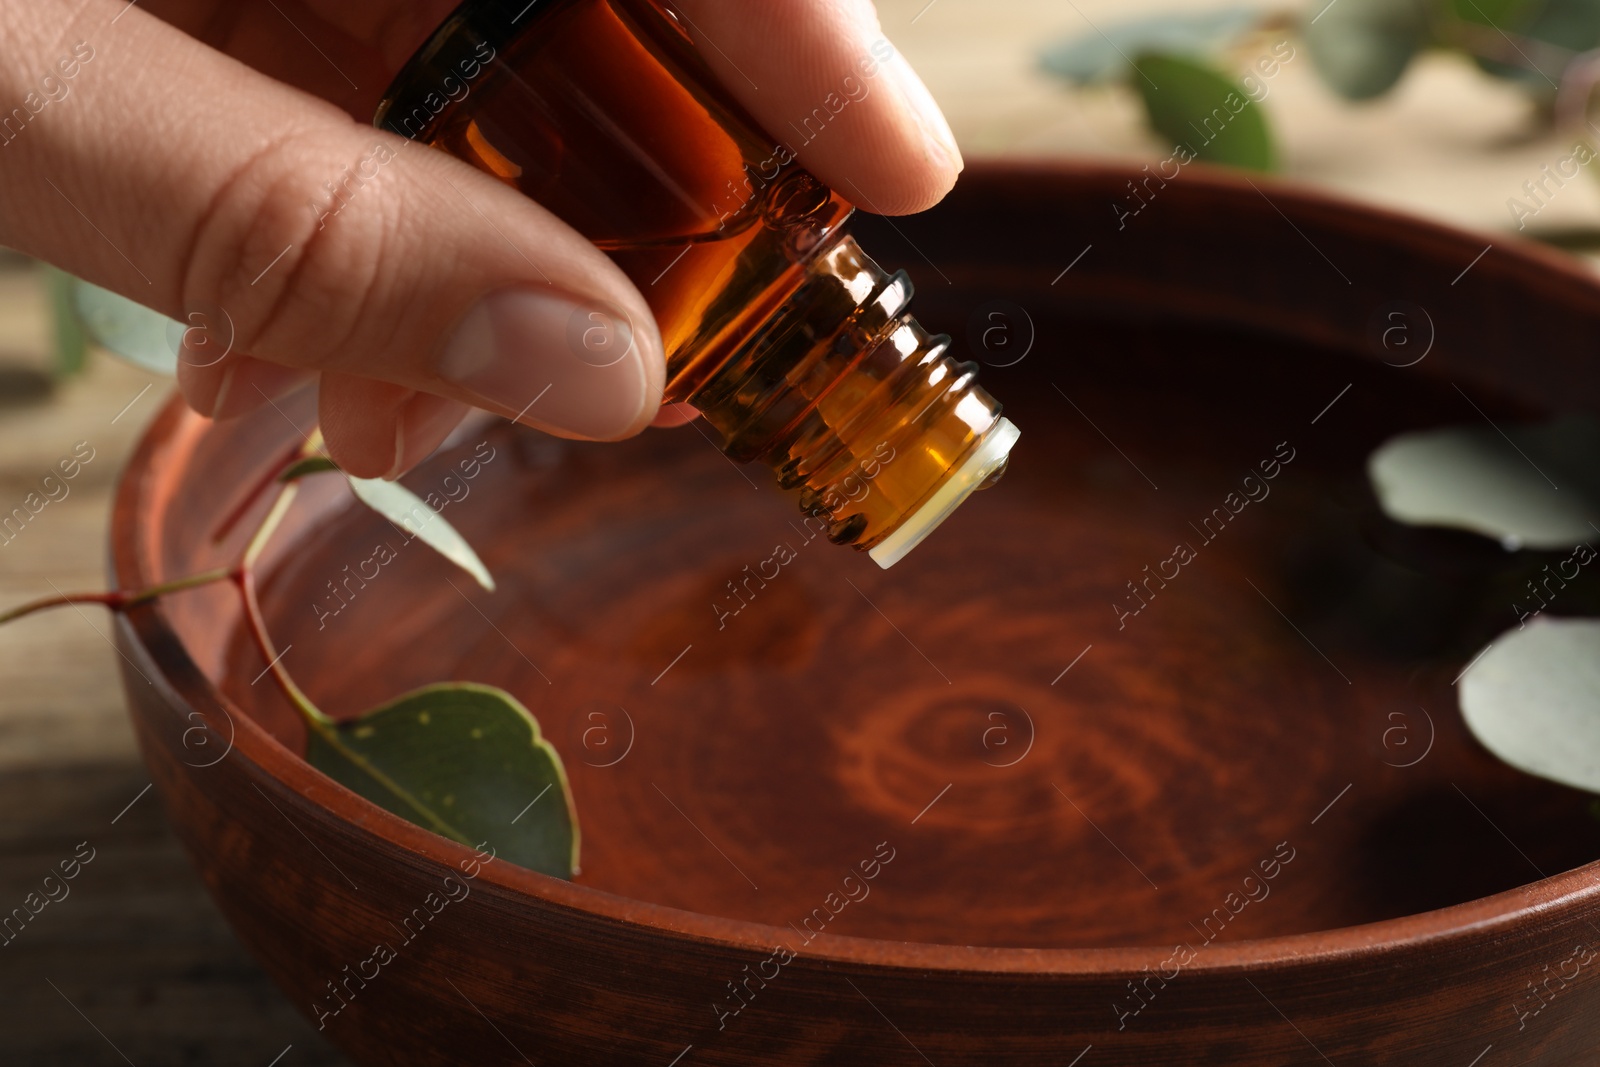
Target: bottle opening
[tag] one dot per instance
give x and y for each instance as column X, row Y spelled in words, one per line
column 979, row 471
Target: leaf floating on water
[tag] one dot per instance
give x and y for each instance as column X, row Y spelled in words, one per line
column 411, row 513
column 1096, row 56
column 1539, row 489
column 1533, row 699
column 465, row 761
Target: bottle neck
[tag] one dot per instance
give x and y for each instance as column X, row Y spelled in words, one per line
column 852, row 403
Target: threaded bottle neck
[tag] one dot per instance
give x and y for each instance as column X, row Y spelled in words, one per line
column 852, row 403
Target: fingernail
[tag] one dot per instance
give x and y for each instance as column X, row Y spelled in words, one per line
column 224, row 387
column 935, row 129
column 248, row 384
column 576, row 368
column 422, row 426
column 398, row 467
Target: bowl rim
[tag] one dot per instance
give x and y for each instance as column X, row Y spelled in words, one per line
column 176, row 431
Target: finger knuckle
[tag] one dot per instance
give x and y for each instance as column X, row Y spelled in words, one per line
column 290, row 248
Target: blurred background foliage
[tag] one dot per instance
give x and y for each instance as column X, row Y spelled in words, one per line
column 1186, row 64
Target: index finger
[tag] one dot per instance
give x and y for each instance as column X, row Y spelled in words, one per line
column 820, row 76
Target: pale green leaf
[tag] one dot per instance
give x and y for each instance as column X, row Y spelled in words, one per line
column 1533, row 699
column 71, row 343
column 465, row 761
column 1362, row 47
column 413, row 515
column 1528, row 486
column 129, row 329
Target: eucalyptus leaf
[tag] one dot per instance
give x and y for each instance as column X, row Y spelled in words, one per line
column 128, row 328
column 1533, row 699
column 1102, row 55
column 71, row 343
column 1509, row 15
column 306, row 467
column 411, row 513
column 1362, row 47
column 1532, row 486
column 465, row 761
column 1197, row 106
column 1571, row 25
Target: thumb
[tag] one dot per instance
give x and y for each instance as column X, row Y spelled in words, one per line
column 277, row 227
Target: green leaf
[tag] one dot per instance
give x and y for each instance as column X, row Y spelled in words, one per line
column 1504, row 14
column 1098, row 56
column 1533, row 699
column 306, row 467
column 71, row 343
column 127, row 328
column 1362, row 47
column 465, row 761
column 411, row 513
column 1530, row 486
column 1204, row 110
column 1569, row 25
column 1573, row 24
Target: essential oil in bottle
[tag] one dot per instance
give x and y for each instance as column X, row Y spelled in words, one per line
column 796, row 348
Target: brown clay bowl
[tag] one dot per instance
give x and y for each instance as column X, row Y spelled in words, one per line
column 1245, row 827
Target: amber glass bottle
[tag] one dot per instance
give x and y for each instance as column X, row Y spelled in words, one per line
column 796, row 348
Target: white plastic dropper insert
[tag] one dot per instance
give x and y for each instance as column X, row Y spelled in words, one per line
column 988, row 457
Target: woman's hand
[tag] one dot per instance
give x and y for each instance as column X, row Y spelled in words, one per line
column 169, row 150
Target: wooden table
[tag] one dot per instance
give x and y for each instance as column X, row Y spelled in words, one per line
column 135, row 965
column 135, row 949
